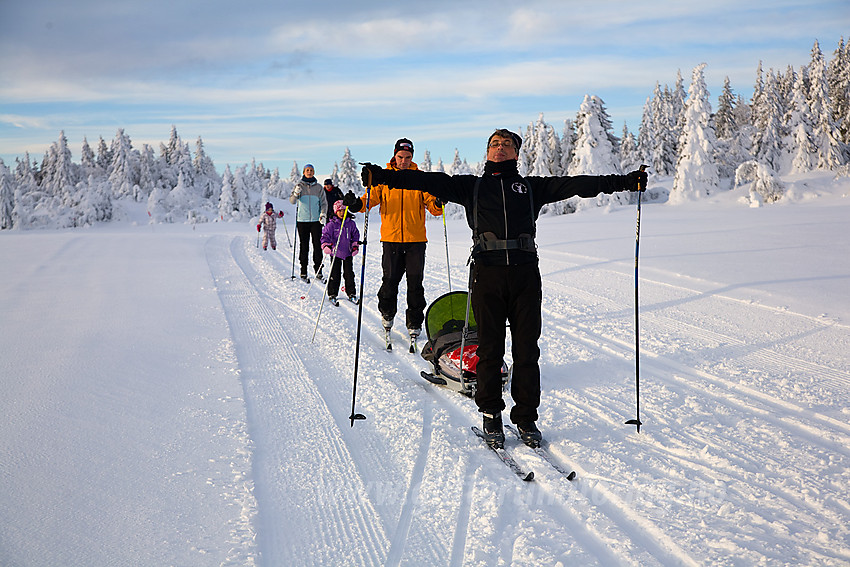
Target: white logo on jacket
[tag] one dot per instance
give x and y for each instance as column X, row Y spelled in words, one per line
column 519, row 188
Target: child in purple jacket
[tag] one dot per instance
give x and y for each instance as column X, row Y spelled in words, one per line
column 343, row 259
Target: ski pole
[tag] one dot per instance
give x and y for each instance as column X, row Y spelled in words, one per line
column 636, row 421
column 446, row 237
column 356, row 416
column 295, row 240
column 285, row 229
column 328, row 280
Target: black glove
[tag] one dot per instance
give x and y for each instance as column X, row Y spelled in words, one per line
column 376, row 172
column 438, row 203
column 352, row 202
column 635, row 181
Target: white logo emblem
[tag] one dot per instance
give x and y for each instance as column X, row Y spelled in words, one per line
column 519, row 188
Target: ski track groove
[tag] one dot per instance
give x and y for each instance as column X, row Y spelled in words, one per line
column 425, row 540
column 272, row 373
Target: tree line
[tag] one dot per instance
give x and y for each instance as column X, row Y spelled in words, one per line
column 797, row 120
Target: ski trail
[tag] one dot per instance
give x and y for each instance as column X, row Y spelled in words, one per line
column 412, row 497
column 328, row 519
column 382, row 461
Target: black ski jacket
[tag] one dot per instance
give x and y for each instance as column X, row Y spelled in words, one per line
column 508, row 204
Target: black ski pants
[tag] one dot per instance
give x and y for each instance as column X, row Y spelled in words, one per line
column 346, row 266
column 510, row 294
column 402, row 258
column 307, row 232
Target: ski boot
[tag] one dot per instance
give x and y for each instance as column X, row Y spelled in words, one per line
column 414, row 334
column 388, row 330
column 353, row 299
column 529, row 434
column 494, row 433
column 333, row 300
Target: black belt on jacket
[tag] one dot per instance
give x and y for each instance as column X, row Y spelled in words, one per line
column 487, row 241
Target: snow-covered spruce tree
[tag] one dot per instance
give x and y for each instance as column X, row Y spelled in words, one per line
column 425, row 164
column 727, row 130
column 207, row 178
column 148, row 173
column 696, row 172
column 273, row 186
column 596, row 148
column 349, row 173
column 662, row 153
column 646, row 137
column 767, row 144
column 88, row 161
column 454, row 168
column 764, row 185
column 59, row 175
column 541, row 161
column 241, row 199
column 725, row 123
column 7, row 197
column 157, row 208
column 799, row 128
column 26, row 194
column 104, row 156
column 124, row 169
column 95, row 203
column 629, row 158
column 294, row 174
column 826, row 136
column 568, row 142
column 527, row 151
column 182, row 202
column 226, row 198
column 839, row 90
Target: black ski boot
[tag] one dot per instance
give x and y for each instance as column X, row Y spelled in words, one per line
column 333, row 300
column 494, row 433
column 529, row 434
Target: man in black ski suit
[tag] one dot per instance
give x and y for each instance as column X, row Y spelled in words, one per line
column 332, row 194
column 502, row 209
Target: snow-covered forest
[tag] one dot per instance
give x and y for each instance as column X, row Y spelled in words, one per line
column 798, row 120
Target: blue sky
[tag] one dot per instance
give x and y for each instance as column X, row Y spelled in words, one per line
column 301, row 81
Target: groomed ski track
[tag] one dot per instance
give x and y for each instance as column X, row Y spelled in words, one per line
column 733, row 465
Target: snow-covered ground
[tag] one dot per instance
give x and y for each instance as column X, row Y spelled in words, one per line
column 163, row 403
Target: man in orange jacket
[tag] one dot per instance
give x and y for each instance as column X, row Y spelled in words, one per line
column 403, row 238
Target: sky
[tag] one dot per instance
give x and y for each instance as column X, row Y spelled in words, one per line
column 283, row 82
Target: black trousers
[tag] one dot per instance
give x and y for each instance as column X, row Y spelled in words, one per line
column 307, row 232
column 511, row 294
column 346, row 266
column 402, row 258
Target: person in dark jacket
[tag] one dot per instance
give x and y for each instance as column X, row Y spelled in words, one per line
column 332, row 194
column 502, row 209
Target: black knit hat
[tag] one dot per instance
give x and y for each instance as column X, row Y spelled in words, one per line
column 403, row 145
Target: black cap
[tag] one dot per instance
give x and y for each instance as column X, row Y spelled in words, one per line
column 403, row 145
